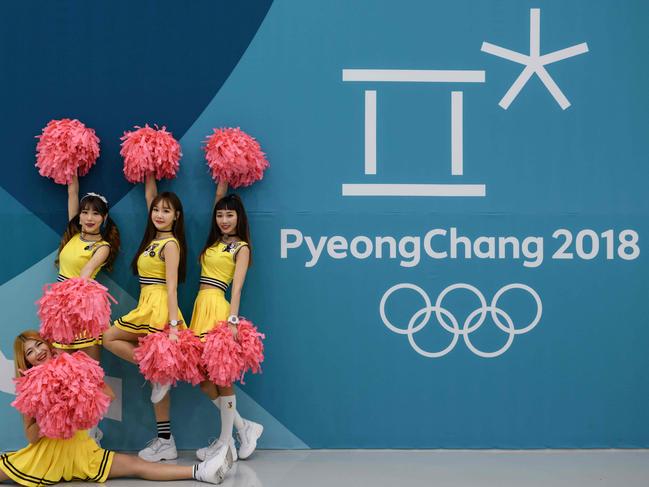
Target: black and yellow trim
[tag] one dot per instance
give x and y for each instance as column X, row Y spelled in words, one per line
column 23, row 478
column 134, row 327
column 210, row 281
column 78, row 344
column 151, row 280
column 104, row 467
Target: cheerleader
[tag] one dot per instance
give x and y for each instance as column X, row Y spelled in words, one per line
column 224, row 260
column 160, row 265
column 90, row 243
column 47, row 461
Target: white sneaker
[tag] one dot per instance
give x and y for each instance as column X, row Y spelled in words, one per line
column 159, row 449
column 248, row 436
column 158, row 392
column 214, row 469
column 212, row 449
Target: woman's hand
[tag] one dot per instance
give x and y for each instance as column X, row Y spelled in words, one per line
column 233, row 329
column 173, row 333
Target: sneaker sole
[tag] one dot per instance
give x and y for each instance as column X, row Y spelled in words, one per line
column 261, row 431
column 158, row 459
column 221, row 472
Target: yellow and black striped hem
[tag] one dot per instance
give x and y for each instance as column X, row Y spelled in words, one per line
column 23, row 478
column 78, row 344
column 135, row 328
column 104, row 467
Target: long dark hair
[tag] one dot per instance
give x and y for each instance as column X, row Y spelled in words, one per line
column 177, row 229
column 108, row 230
column 230, row 202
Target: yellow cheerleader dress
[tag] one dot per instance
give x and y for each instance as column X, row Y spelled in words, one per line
column 50, row 461
column 152, row 312
column 217, row 269
column 72, row 259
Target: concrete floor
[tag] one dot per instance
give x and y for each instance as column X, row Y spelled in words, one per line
column 438, row 468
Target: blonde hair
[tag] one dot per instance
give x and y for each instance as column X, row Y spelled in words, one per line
column 20, row 361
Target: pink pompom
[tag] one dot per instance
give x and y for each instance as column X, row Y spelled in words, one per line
column 252, row 347
column 234, row 156
column 190, row 358
column 66, row 148
column 222, row 356
column 63, row 395
column 150, row 150
column 158, row 357
column 76, row 307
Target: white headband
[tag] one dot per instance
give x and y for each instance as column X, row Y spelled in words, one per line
column 102, row 198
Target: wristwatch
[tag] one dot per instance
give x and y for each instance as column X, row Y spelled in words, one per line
column 175, row 323
column 233, row 319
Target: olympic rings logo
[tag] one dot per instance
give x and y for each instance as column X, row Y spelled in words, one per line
column 473, row 321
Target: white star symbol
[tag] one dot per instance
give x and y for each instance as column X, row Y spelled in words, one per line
column 534, row 63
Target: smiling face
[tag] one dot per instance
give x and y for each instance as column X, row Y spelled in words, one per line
column 90, row 219
column 36, row 352
column 163, row 216
column 226, row 220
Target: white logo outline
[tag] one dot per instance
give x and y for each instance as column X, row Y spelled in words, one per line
column 534, row 63
column 468, row 326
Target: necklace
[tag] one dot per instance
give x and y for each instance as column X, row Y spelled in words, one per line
column 84, row 236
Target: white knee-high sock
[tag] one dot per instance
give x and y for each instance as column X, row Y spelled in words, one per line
column 228, row 408
column 238, row 420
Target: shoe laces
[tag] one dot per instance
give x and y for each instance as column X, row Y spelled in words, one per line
column 154, row 444
column 215, row 445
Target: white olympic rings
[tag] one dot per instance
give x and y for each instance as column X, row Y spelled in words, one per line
column 442, row 315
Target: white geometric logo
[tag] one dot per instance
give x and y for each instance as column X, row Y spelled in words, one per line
column 470, row 324
column 534, row 62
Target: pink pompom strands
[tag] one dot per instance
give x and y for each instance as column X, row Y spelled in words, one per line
column 64, row 395
column 66, row 148
column 165, row 361
column 76, row 307
column 150, row 150
column 222, row 356
column 225, row 359
column 234, row 156
column 190, row 358
column 158, row 358
column 252, row 346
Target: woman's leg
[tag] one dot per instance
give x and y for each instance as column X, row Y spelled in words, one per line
column 3, row 476
column 162, row 408
column 163, row 447
column 132, row 466
column 210, row 390
column 93, row 352
column 228, row 412
column 216, row 393
column 121, row 343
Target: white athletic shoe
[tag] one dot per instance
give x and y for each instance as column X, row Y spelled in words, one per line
column 248, row 436
column 212, row 449
column 158, row 392
column 215, row 469
column 159, row 449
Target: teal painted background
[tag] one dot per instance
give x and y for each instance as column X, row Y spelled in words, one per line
column 335, row 376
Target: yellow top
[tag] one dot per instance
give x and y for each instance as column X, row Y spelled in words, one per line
column 75, row 255
column 151, row 266
column 217, row 264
